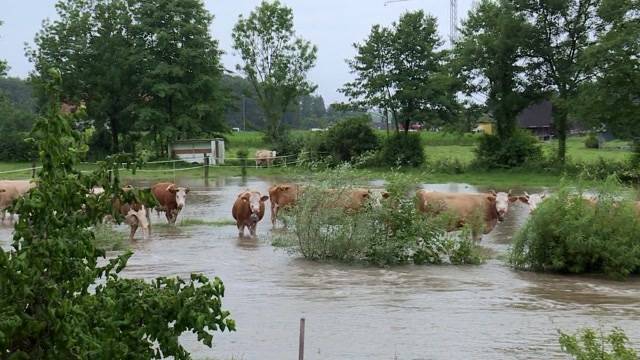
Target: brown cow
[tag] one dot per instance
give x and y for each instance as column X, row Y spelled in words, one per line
column 248, row 210
column 282, row 195
column 13, row 189
column 171, row 199
column 463, row 206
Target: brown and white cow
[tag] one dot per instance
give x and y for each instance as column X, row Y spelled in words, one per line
column 533, row 200
column 282, row 196
column 464, row 206
column 248, row 210
column 172, row 199
column 355, row 199
column 265, row 157
column 12, row 190
column 135, row 215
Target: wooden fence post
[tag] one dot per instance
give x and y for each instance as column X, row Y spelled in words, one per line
column 206, row 168
column 301, row 343
column 33, row 169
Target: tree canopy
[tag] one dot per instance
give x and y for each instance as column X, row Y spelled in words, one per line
column 275, row 60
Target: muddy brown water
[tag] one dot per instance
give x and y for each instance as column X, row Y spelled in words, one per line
column 355, row 312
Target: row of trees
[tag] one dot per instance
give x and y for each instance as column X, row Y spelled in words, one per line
column 580, row 54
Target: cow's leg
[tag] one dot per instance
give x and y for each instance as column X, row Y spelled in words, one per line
column 134, row 228
column 274, row 213
column 167, row 214
column 148, row 213
column 252, row 229
column 240, row 229
column 174, row 216
column 3, row 215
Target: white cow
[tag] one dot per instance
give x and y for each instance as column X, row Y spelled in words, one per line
column 265, row 157
column 12, row 190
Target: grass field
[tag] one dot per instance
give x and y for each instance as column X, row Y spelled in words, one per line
column 438, row 146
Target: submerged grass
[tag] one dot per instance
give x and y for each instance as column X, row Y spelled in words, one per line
column 109, row 239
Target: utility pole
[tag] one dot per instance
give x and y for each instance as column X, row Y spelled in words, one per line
column 244, row 113
column 453, row 18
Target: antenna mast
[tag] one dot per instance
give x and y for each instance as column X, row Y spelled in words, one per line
column 453, row 18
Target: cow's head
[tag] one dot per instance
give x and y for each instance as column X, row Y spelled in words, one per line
column 377, row 196
column 274, row 154
column 533, row 200
column 180, row 194
column 502, row 200
column 255, row 201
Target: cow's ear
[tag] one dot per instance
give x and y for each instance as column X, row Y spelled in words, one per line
column 172, row 190
column 264, row 198
column 524, row 199
column 543, row 196
column 493, row 193
column 187, row 190
column 284, row 187
column 513, row 198
column 510, row 191
column 385, row 195
column 491, row 198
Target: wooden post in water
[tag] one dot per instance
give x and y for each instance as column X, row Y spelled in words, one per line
column 301, row 344
column 206, row 168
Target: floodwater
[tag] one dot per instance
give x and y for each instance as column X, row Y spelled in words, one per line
column 355, row 312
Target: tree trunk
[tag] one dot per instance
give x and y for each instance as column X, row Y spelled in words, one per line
column 386, row 119
column 115, row 144
column 395, row 120
column 560, row 122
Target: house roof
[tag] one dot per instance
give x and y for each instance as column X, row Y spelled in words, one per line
column 536, row 115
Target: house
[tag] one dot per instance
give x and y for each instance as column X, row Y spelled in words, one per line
column 485, row 127
column 538, row 118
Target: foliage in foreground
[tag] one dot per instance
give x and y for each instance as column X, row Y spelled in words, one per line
column 389, row 234
column 588, row 345
column 568, row 233
column 57, row 302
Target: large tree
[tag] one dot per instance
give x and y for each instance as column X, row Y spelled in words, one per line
column 138, row 66
column 373, row 86
column 91, row 45
column 488, row 57
column 613, row 97
column 425, row 91
column 560, row 35
column 401, row 70
column 182, row 73
column 275, row 60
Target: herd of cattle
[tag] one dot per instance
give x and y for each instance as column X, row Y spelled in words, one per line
column 170, row 198
column 249, row 206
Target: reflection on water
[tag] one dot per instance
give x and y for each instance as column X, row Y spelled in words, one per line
column 356, row 312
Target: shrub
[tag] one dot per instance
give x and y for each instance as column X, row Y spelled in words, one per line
column 288, row 144
column 591, row 142
column 521, row 148
column 403, row 150
column 392, row 233
column 570, row 234
column 13, row 147
column 349, row 138
column 588, row 345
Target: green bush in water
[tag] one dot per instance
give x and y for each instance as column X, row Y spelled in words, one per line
column 389, row 234
column 569, row 234
column 588, row 345
column 403, row 150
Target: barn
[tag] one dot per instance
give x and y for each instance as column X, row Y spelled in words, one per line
column 538, row 118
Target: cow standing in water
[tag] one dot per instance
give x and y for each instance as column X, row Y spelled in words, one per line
column 463, row 206
column 11, row 191
column 135, row 215
column 171, row 198
column 281, row 196
column 248, row 210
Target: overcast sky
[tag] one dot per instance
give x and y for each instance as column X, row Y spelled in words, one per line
column 332, row 25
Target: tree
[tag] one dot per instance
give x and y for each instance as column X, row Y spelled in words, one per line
column 399, row 70
column 560, row 35
column 488, row 57
column 275, row 60
column 181, row 78
column 424, row 89
column 57, row 301
column 91, row 44
column 373, row 86
column 613, row 96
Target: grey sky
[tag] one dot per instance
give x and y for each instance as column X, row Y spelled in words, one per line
column 333, row 25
